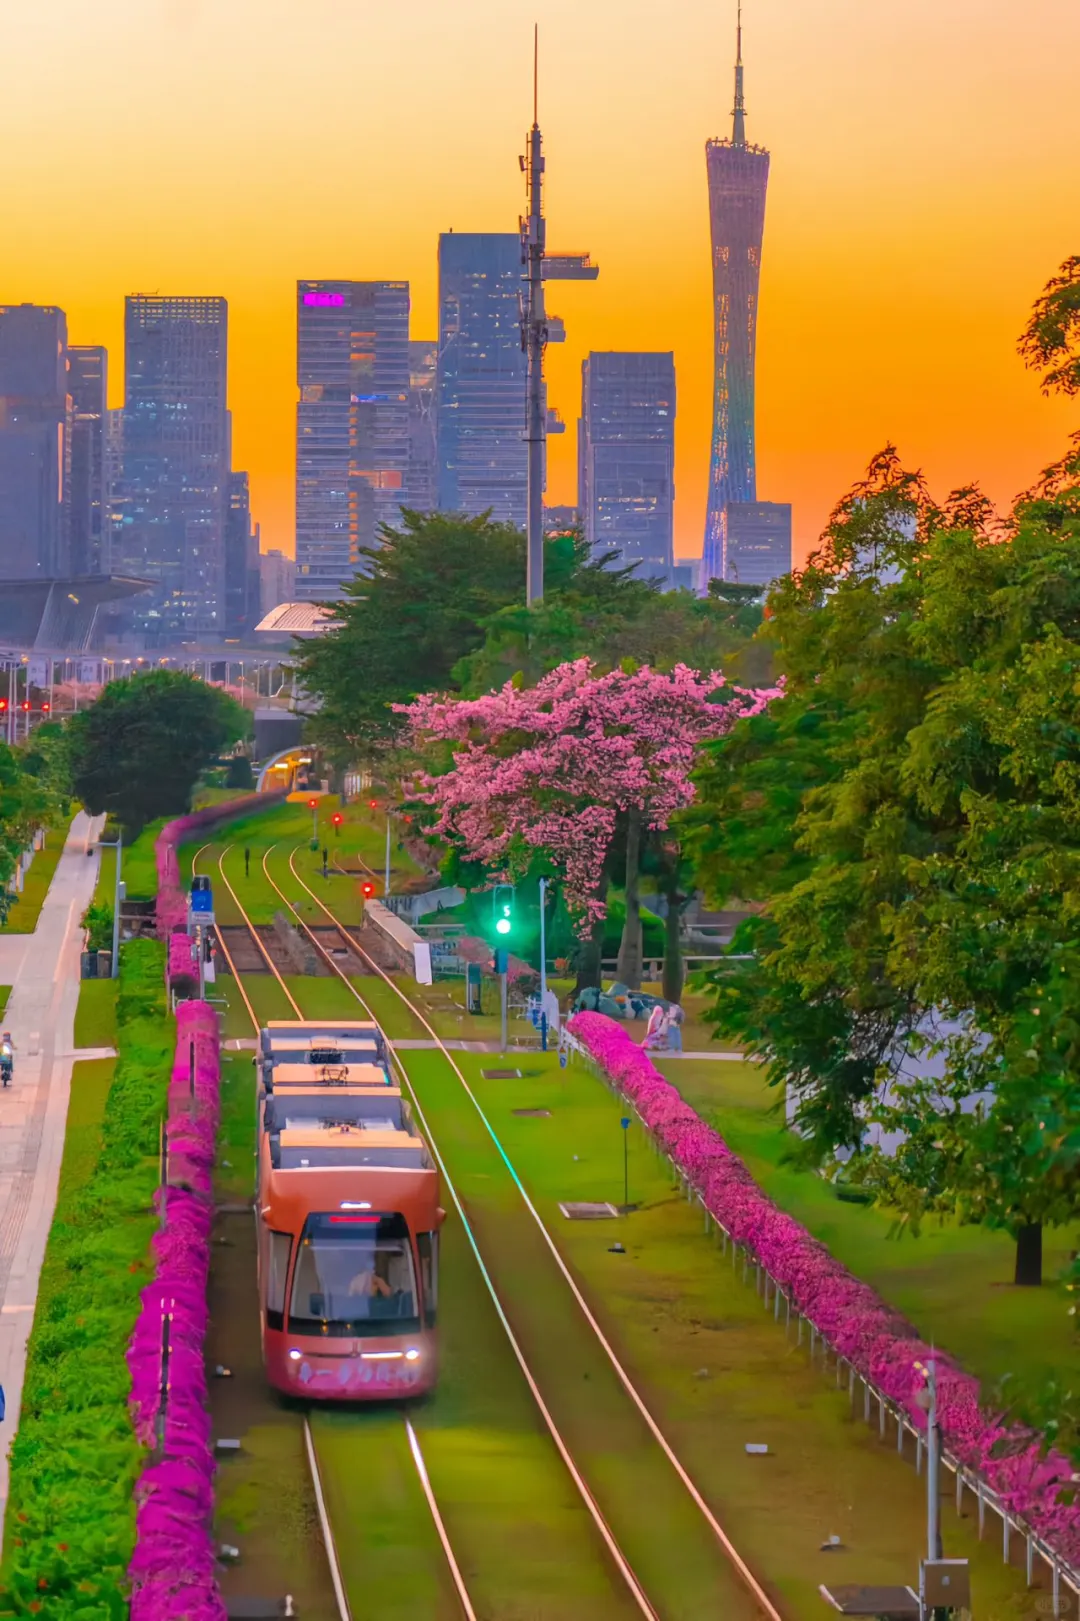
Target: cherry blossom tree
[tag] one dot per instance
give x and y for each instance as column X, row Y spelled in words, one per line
column 571, row 766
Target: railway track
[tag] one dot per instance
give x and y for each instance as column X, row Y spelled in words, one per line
column 755, row 1600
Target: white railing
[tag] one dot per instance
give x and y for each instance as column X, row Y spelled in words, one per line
column 1061, row 1572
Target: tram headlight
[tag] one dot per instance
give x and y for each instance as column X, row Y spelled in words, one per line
column 412, row 1354
column 294, row 1356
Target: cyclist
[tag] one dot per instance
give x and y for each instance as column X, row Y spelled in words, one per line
column 7, row 1056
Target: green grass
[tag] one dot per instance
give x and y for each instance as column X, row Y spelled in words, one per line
column 74, row 1460
column 714, row 1367
column 954, row 1283
column 139, row 869
column 5, row 992
column 95, row 1015
column 25, row 911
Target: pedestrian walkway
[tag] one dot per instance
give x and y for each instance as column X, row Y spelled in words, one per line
column 43, row 971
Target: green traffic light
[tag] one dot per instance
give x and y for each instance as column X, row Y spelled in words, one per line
column 503, row 926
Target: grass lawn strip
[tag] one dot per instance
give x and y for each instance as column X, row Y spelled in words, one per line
column 713, row 1366
column 26, row 909
column 954, row 1283
column 95, row 1014
column 5, row 992
column 526, row 1545
column 70, row 1517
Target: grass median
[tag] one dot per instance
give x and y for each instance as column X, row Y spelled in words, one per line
column 26, row 909
column 70, row 1523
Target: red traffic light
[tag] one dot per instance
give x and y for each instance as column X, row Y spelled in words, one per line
column 337, row 818
column 312, row 803
column 367, row 890
column 373, row 804
column 25, row 705
column 3, row 706
column 45, row 708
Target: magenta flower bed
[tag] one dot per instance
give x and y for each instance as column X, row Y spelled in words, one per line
column 183, row 970
column 879, row 1343
column 172, row 900
column 172, row 1570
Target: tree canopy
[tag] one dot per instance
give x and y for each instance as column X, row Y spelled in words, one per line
column 137, row 752
column 26, row 804
column 909, row 815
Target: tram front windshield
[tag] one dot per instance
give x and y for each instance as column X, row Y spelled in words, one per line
column 354, row 1275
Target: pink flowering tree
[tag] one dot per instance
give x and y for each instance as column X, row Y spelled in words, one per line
column 572, row 767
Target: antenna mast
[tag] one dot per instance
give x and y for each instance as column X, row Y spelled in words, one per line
column 534, row 338
column 537, row 331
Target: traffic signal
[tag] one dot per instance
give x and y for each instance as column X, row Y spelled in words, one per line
column 373, row 804
column 45, row 708
column 337, row 820
column 502, row 902
column 367, row 889
column 25, row 706
column 500, row 962
column 313, row 804
column 3, row 706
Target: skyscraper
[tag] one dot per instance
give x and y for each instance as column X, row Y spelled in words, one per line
column 176, row 463
column 626, row 457
column 483, row 458
column 242, row 587
column 352, row 425
column 738, row 178
column 420, row 476
column 756, row 541
column 35, row 445
column 89, row 530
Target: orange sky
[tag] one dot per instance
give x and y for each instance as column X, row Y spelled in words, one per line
column 924, row 185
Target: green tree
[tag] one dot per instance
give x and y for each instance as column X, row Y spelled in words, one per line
column 138, row 751
column 910, row 816
column 25, row 805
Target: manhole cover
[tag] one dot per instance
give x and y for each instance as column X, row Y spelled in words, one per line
column 588, row 1212
column 501, row 1074
column 534, row 1114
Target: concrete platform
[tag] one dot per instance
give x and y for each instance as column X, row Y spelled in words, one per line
column 43, row 971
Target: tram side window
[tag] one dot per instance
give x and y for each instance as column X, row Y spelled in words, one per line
column 276, row 1274
column 427, row 1246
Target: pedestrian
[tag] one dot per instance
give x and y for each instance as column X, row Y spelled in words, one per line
column 673, row 1028
column 655, row 1027
column 247, row 862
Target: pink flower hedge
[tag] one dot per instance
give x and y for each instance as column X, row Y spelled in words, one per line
column 172, row 900
column 879, row 1343
column 172, row 1570
column 183, row 969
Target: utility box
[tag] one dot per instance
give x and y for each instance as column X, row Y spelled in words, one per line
column 473, row 982
column 946, row 1584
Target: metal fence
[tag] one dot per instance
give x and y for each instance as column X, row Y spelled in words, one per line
column 1061, row 1573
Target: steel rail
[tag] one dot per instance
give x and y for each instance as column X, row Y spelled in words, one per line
column 622, row 1564
column 739, row 1563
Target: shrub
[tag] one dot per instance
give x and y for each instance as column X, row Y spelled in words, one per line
column 71, row 1517
column 1032, row 1481
column 97, row 920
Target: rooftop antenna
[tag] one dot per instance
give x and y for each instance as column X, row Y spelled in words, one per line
column 738, row 115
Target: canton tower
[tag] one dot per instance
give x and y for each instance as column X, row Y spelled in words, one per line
column 738, row 178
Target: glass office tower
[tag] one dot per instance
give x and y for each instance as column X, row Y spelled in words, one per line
column 352, row 425
column 626, row 458
column 35, row 442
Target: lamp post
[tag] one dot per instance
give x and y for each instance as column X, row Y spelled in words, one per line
column 118, row 846
column 386, row 875
column 625, row 1124
column 543, row 942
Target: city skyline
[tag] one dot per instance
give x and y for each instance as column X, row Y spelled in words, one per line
column 898, row 170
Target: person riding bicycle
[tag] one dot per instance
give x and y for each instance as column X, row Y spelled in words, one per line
column 7, row 1056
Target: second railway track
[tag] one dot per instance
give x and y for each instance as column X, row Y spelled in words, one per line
column 713, row 1578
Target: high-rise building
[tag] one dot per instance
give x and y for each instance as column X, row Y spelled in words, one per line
column 114, row 487
column 277, row 581
column 756, row 539
column 89, row 522
column 626, row 457
column 35, row 442
column 483, row 457
column 176, row 464
column 738, row 178
column 352, row 425
column 420, row 476
column 242, row 581
column 559, row 519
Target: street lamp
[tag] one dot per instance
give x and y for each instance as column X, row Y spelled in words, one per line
column 118, row 846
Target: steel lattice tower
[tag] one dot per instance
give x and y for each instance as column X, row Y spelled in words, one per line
column 738, row 179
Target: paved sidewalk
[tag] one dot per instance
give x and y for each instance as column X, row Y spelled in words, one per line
column 43, row 970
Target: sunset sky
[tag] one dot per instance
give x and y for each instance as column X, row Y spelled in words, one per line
column 925, row 183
